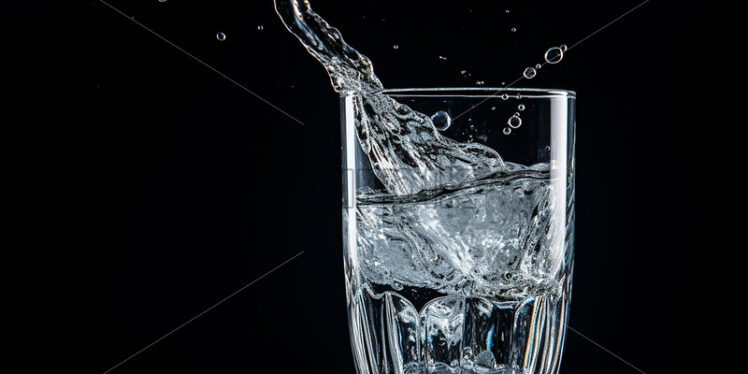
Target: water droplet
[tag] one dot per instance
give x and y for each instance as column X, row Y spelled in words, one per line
column 554, row 55
column 529, row 73
column 480, row 83
column 441, row 120
column 395, row 46
column 505, row 97
column 397, row 286
column 442, row 58
column 260, row 27
column 161, row 1
column 563, row 47
column 506, row 11
column 521, row 107
column 463, row 72
column 513, row 29
column 503, row 83
column 538, row 66
column 516, row 114
column 514, row 121
column 221, row 36
column 507, row 131
column 548, row 148
column 493, row 108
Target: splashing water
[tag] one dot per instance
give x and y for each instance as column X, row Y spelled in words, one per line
column 441, row 249
column 406, row 152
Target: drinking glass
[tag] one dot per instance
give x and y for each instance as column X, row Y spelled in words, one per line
column 468, row 277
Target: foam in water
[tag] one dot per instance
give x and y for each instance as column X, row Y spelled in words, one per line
column 456, row 267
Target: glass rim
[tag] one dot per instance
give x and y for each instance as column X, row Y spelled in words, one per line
column 474, row 92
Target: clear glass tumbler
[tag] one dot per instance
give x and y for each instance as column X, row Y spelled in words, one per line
column 471, row 275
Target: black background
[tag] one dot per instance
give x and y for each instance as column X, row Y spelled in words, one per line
column 154, row 187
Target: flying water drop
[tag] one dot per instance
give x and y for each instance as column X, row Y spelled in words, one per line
column 514, row 121
column 529, row 73
column 395, row 46
column 554, row 55
column 441, row 120
column 507, row 131
column 538, row 66
column 513, row 29
column 221, row 36
column 563, row 47
column 260, row 27
column 521, row 107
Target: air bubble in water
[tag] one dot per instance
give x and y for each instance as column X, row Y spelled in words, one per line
column 480, row 83
column 221, row 36
column 514, row 122
column 506, row 11
column 548, row 148
column 161, row 1
column 463, row 72
column 507, row 131
column 529, row 73
column 505, row 97
column 521, row 107
column 442, row 58
column 395, row 46
column 513, row 29
column 563, row 47
column 260, row 27
column 441, row 120
column 554, row 55
column 493, row 108
column 538, row 66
